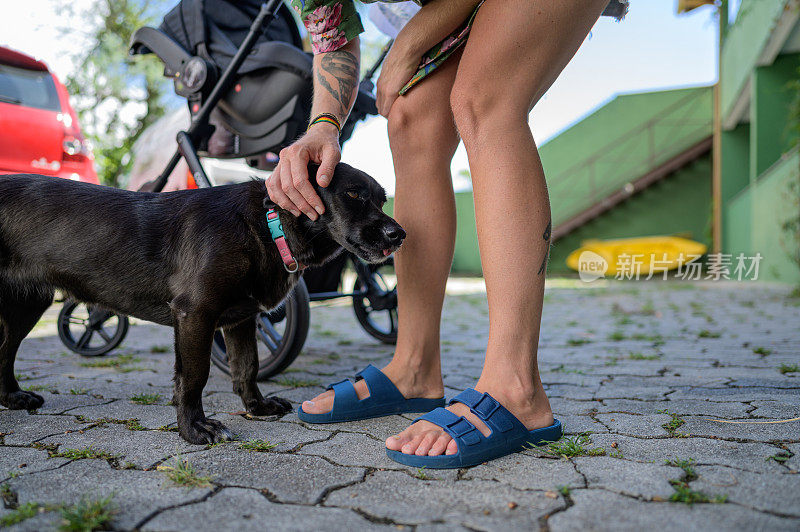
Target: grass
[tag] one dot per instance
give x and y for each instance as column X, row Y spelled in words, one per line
column 260, row 446
column 780, row 457
column 683, row 492
column 78, row 391
column 788, row 368
column 40, row 388
column 130, row 424
column 422, row 475
column 642, row 356
column 763, row 351
column 673, row 424
column 564, row 490
column 160, row 349
column 146, row 398
column 21, row 513
column 184, row 474
column 617, row 336
column 578, row 341
column 167, row 428
column 686, row 495
column 87, row 515
column 294, row 382
column 705, row 333
column 83, row 454
column 117, row 362
column 570, row 446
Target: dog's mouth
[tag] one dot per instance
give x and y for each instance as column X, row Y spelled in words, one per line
column 372, row 254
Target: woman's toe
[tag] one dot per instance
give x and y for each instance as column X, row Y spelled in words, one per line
column 411, row 447
column 396, row 442
column 320, row 404
column 452, row 447
column 440, row 445
column 425, row 445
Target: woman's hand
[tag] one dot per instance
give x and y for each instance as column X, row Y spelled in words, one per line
column 289, row 185
column 398, row 68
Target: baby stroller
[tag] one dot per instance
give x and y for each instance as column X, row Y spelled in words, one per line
column 248, row 84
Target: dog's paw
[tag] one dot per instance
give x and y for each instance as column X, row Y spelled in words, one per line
column 271, row 406
column 21, row 400
column 205, row 431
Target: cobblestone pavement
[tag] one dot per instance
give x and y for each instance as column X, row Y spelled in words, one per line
column 641, row 374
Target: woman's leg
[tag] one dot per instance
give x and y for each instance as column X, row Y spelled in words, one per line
column 515, row 51
column 423, row 139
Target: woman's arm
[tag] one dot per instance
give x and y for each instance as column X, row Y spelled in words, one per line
column 435, row 21
column 335, row 87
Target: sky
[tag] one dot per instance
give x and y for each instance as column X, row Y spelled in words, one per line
column 651, row 49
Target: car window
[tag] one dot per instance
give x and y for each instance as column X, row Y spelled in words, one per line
column 31, row 88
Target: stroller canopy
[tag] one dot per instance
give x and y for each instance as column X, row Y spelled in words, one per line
column 214, row 29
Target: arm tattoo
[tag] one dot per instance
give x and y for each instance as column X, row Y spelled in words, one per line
column 343, row 68
column 546, row 237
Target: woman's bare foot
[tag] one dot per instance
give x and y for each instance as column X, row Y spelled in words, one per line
column 426, row 439
column 412, row 383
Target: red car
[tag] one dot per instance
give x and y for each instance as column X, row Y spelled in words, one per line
column 39, row 132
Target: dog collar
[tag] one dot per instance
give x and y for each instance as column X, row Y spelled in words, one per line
column 276, row 231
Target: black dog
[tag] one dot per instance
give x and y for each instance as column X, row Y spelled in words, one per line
column 195, row 260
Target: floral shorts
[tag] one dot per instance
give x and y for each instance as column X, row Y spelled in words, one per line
column 439, row 53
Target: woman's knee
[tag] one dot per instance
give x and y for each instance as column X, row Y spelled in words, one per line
column 414, row 125
column 478, row 108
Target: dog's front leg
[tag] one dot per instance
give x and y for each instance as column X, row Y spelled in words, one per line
column 240, row 343
column 194, row 332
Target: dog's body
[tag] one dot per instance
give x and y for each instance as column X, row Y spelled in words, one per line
column 194, row 260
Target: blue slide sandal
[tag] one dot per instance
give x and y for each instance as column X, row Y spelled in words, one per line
column 384, row 400
column 508, row 435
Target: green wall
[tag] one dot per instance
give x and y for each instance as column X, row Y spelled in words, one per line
column 679, row 204
column 466, row 258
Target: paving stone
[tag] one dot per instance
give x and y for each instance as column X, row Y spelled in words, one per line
column 149, row 416
column 143, row 448
column 636, row 479
column 733, row 394
column 285, row 435
column 22, row 428
column 63, row 402
column 352, row 449
column 685, row 406
column 289, row 477
column 774, row 493
column 579, row 424
column 471, row 503
column 788, row 409
column 526, row 472
column 646, row 425
column 600, row 510
column 244, row 509
column 22, row 460
column 749, row 456
column 757, row 430
column 136, row 494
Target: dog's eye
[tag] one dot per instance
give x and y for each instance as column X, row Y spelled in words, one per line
column 353, row 194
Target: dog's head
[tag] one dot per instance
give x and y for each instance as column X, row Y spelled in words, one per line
column 354, row 217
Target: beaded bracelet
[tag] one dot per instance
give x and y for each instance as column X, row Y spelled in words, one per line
column 326, row 118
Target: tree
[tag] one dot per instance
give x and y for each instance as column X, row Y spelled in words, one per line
column 115, row 95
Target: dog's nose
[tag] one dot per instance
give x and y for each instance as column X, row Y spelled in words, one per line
column 394, row 233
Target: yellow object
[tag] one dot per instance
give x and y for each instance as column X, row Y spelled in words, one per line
column 640, row 254
column 684, row 6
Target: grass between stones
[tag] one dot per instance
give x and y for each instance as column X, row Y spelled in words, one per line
column 84, row 516
column 570, row 446
column 82, row 454
column 78, row 391
column 763, row 351
column 119, row 363
column 789, row 368
column 130, row 424
column 673, row 424
column 260, row 446
column 705, row 333
column 294, row 382
column 182, row 473
column 160, row 349
column 683, row 492
column 146, row 398
column 642, row 356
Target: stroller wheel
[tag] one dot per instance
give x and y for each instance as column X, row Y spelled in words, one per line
column 376, row 310
column 90, row 331
column 281, row 333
